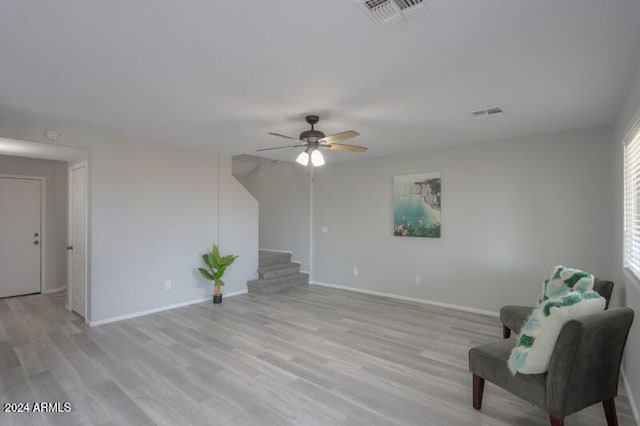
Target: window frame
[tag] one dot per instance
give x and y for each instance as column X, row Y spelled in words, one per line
column 631, row 202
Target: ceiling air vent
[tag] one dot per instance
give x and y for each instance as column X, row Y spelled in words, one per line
column 487, row 112
column 386, row 13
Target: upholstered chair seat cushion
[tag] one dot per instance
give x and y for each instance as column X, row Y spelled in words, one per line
column 490, row 360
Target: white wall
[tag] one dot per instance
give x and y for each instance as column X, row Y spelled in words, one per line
column 629, row 115
column 511, row 210
column 153, row 210
column 238, row 229
column 55, row 173
column 282, row 190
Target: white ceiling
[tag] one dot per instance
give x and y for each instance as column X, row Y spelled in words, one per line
column 220, row 75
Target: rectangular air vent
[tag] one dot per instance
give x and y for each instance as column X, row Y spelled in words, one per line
column 386, row 13
column 487, row 112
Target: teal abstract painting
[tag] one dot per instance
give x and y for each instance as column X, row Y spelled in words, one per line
column 416, row 205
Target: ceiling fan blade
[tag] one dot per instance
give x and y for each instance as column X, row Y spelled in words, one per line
column 278, row 147
column 339, row 137
column 286, row 137
column 343, row 147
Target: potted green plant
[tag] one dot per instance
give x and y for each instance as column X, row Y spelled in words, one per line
column 216, row 266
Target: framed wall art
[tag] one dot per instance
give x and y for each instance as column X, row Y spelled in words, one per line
column 416, row 205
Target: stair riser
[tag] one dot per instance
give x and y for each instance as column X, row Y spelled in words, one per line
column 274, row 288
column 299, row 275
column 274, row 259
column 260, row 286
column 278, row 273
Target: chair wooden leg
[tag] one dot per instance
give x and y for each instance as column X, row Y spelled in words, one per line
column 478, row 389
column 506, row 333
column 610, row 412
column 556, row 421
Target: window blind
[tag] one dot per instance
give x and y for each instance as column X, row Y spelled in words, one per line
column 632, row 203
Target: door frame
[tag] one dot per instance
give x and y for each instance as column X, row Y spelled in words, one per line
column 71, row 168
column 43, row 223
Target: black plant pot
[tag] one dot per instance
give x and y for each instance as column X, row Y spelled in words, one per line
column 217, row 299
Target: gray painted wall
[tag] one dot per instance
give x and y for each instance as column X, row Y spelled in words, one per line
column 238, row 229
column 55, row 173
column 282, row 191
column 152, row 211
column 511, row 210
column 629, row 115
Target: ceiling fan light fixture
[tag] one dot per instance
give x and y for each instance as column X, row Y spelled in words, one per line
column 303, row 158
column 316, row 158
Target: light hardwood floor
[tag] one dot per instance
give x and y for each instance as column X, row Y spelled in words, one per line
column 307, row 356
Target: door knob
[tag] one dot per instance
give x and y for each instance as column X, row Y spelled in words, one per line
column 69, row 247
column 36, row 242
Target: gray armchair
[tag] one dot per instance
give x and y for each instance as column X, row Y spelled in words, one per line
column 514, row 316
column 584, row 368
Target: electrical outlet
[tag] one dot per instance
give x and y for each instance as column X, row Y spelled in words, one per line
column 167, row 285
column 355, row 272
column 418, row 279
column 325, row 229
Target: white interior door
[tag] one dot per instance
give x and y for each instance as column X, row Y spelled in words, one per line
column 20, row 232
column 78, row 238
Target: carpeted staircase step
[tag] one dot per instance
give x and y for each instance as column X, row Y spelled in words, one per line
column 276, row 272
column 270, row 258
column 262, row 286
column 280, row 270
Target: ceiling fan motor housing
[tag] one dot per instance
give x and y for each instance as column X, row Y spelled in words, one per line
column 311, row 135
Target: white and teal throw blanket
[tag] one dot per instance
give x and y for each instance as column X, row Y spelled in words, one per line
column 566, row 294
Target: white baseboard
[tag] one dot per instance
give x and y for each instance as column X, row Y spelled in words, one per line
column 632, row 400
column 160, row 309
column 409, row 299
column 54, row 290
